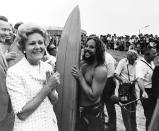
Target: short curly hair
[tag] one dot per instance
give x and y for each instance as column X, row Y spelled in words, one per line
column 25, row 30
column 132, row 53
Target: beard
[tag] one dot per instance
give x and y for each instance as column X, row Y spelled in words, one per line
column 89, row 59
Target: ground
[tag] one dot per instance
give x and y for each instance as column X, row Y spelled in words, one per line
column 7, row 124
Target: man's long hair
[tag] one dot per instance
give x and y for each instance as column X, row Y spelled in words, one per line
column 100, row 49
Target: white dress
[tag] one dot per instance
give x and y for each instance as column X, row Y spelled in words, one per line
column 24, row 81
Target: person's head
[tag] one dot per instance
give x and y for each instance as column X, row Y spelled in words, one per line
column 31, row 39
column 150, row 53
column 3, row 18
column 51, row 49
column 16, row 26
column 6, row 32
column 132, row 56
column 94, row 50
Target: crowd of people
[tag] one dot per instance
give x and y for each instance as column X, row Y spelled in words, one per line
column 136, row 42
column 28, row 79
column 125, row 43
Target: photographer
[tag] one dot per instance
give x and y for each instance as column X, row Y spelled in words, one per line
column 125, row 74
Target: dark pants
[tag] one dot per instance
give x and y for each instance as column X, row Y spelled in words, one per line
column 149, row 107
column 129, row 117
column 90, row 118
column 127, row 91
column 107, row 93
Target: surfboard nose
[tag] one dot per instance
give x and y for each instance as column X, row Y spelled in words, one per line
column 68, row 54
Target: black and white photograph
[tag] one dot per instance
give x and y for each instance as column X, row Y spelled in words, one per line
column 79, row 65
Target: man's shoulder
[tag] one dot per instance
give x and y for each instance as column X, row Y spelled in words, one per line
column 108, row 54
column 103, row 66
column 101, row 69
column 100, row 73
column 140, row 62
column 109, row 57
column 123, row 61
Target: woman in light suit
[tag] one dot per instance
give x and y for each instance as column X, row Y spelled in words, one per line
column 32, row 84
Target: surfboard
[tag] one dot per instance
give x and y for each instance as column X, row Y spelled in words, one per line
column 68, row 54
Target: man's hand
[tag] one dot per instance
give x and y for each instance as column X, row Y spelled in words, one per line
column 10, row 55
column 76, row 73
column 145, row 95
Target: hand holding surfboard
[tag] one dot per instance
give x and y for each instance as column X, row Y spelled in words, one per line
column 68, row 55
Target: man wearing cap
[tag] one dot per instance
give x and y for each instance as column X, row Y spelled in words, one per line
column 125, row 74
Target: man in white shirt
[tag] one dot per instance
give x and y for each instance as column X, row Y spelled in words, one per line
column 109, row 90
column 144, row 71
column 125, row 74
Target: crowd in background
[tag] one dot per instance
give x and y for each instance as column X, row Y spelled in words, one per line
column 122, row 43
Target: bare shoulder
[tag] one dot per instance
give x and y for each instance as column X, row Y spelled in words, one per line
column 100, row 72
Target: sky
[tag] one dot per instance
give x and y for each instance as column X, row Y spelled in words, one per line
column 123, row 17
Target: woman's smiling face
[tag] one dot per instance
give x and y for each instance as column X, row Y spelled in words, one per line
column 34, row 48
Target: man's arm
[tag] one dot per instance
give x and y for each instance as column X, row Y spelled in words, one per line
column 140, row 82
column 118, row 77
column 98, row 83
column 111, row 69
column 118, row 71
column 140, row 79
column 110, row 64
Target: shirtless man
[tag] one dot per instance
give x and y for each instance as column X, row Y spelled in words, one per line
column 92, row 77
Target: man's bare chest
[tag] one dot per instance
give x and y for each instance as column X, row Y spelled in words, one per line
column 88, row 75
